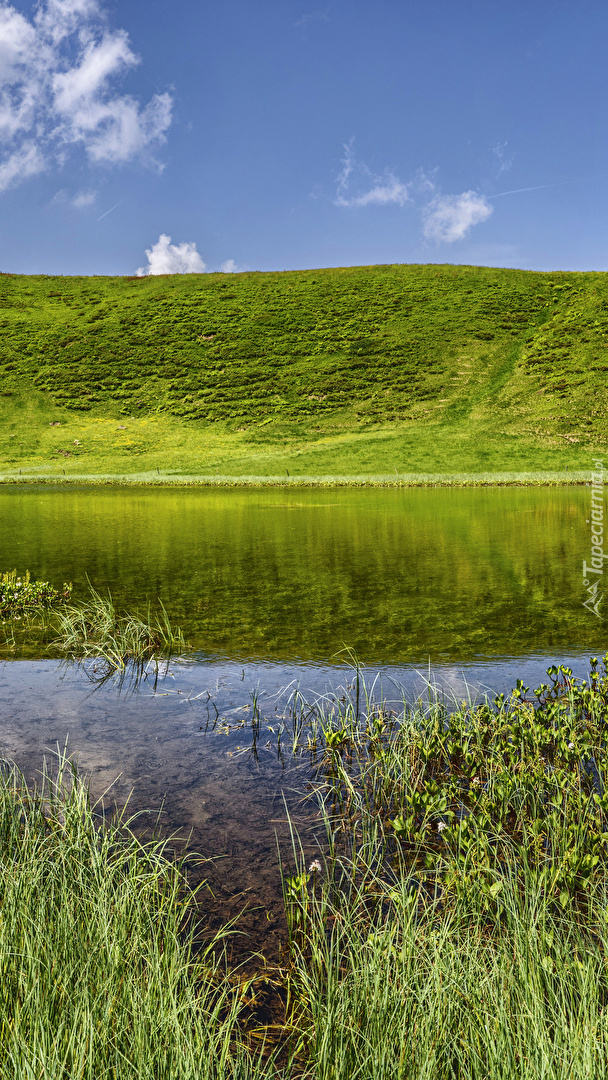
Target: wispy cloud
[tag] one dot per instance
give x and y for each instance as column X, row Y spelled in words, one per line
column 356, row 185
column 83, row 199
column 383, row 192
column 167, row 258
column 58, row 74
column 503, row 160
column 312, row 16
column 447, row 218
column 80, row 200
column 22, row 163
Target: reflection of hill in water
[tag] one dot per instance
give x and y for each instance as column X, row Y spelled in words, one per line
column 394, row 575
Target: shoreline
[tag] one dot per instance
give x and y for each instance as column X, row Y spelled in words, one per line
column 398, row 480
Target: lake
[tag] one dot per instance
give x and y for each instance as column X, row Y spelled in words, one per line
column 274, row 589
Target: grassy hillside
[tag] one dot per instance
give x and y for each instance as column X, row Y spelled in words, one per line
column 432, row 369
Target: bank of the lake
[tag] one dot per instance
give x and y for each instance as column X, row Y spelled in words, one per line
column 390, row 480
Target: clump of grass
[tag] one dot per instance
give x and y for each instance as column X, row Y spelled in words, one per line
column 101, row 974
column 19, row 596
column 95, row 630
column 394, row 985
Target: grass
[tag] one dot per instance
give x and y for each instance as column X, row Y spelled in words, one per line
column 452, row 925
column 157, row 479
column 347, row 372
column 100, row 972
column 457, row 927
column 93, row 630
column 90, row 630
column 394, row 992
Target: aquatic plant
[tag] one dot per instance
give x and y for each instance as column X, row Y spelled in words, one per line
column 466, row 794
column 93, row 629
column 19, row 596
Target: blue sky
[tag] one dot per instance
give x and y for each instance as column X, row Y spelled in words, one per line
column 285, row 134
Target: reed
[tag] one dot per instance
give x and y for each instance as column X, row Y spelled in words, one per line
column 94, row 629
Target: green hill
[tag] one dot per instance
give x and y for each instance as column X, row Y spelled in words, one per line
column 363, row 370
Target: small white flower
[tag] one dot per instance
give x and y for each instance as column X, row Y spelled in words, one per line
column 441, row 826
column 571, row 746
column 315, row 867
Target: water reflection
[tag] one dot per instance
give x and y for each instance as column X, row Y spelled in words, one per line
column 397, row 576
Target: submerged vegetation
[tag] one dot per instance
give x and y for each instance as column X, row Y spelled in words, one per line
column 351, row 371
column 451, row 922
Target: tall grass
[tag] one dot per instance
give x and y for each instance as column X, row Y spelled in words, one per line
column 95, row 630
column 99, row 975
column 395, row 985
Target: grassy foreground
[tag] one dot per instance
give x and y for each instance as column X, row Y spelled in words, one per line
column 453, row 924
column 98, row 975
column 366, row 372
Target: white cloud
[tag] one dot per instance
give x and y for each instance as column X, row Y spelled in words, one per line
column 16, row 40
column 167, row 258
column 446, row 218
column 25, row 162
column 57, row 90
column 79, row 201
column 229, row 267
column 369, row 189
column 83, row 199
column 382, row 193
column 450, row 217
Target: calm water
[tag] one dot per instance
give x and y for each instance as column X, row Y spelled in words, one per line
column 400, row 577
column 483, row 585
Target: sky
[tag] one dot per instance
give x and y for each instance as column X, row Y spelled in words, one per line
column 205, row 135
